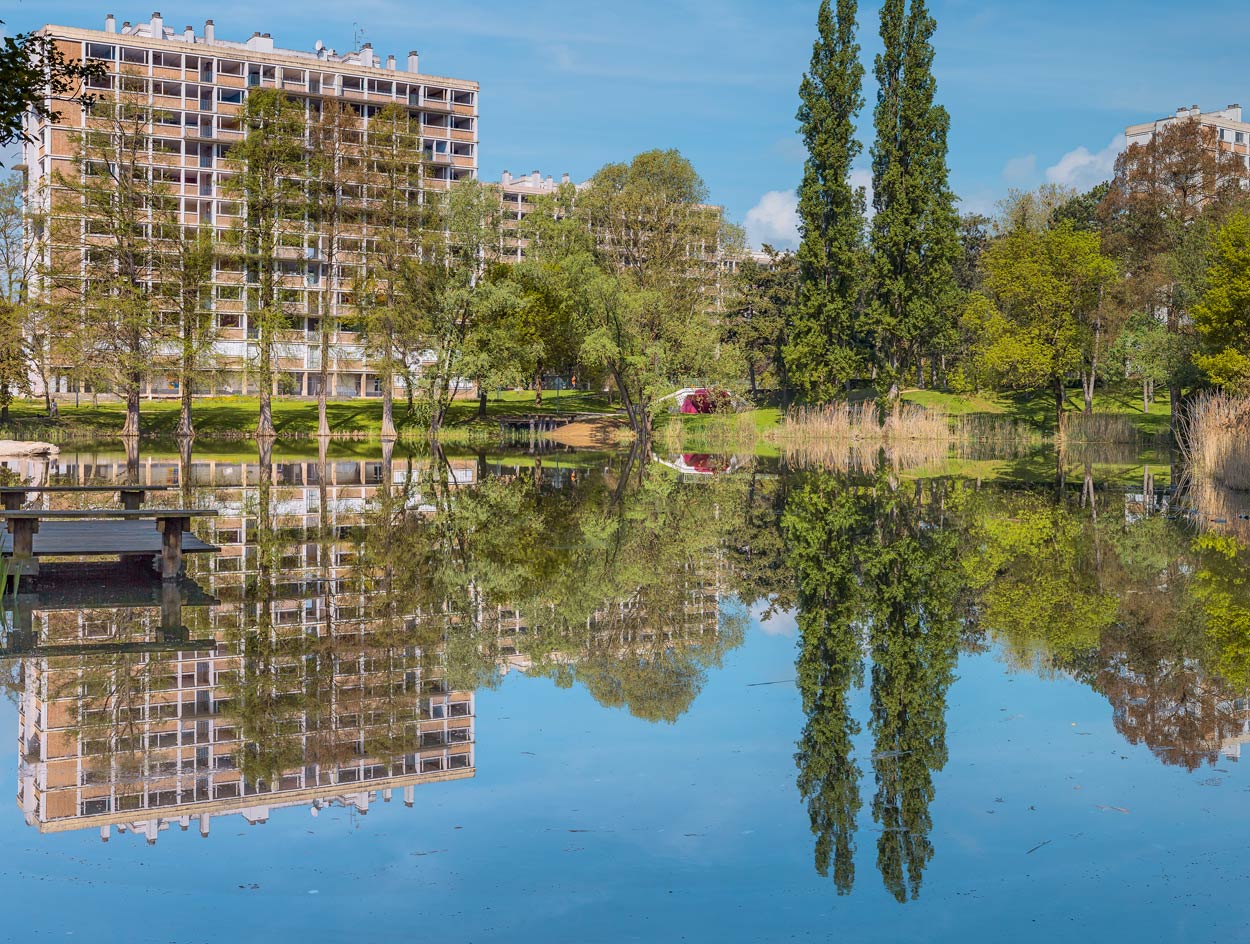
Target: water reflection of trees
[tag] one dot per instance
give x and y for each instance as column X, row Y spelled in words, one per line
column 1090, row 585
column 873, row 564
column 609, row 580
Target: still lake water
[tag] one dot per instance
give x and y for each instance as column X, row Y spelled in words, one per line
column 488, row 698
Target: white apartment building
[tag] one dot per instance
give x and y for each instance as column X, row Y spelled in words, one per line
column 1232, row 133
column 196, row 85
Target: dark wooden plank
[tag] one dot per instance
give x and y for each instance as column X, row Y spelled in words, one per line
column 98, row 538
column 149, row 514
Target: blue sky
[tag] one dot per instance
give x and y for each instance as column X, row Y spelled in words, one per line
column 1036, row 90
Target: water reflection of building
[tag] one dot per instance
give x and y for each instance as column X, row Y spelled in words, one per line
column 307, row 695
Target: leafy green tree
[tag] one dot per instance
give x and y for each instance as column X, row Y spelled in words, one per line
column 1033, row 210
column 268, row 164
column 822, row 350
column 191, row 250
column 462, row 285
column 1168, row 196
column 1082, row 209
column 1041, row 295
column 335, row 200
column 23, row 242
column 111, row 221
column 654, row 304
column 760, row 322
column 36, row 77
column 403, row 230
column 1222, row 317
column 1146, row 352
column 914, row 238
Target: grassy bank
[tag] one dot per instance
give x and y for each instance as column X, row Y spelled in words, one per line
column 236, row 416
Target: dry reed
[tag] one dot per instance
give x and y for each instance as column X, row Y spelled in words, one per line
column 1215, row 438
column 1098, row 428
column 852, row 437
column 862, row 423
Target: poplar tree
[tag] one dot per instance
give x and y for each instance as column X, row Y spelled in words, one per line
column 822, row 354
column 914, row 241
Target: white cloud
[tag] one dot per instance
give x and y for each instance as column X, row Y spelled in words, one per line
column 774, row 220
column 1020, row 170
column 781, row 623
column 1082, row 169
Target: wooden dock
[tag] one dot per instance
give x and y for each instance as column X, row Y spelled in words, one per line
column 159, row 535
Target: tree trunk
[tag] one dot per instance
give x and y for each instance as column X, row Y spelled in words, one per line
column 388, row 409
column 627, row 401
column 186, row 426
column 1061, row 395
column 1174, row 400
column 323, row 379
column 1087, row 387
column 538, row 388
column 133, row 393
column 264, row 426
column 481, row 402
column 1145, row 396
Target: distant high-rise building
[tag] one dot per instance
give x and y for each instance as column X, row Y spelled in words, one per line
column 1227, row 130
column 195, row 85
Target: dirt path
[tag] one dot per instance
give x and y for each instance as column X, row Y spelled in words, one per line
column 590, row 434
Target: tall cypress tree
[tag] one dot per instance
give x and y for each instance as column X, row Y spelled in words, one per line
column 821, row 354
column 914, row 241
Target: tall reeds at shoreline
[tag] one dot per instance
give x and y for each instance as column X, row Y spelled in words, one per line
column 1215, row 438
column 1097, row 429
column 862, row 423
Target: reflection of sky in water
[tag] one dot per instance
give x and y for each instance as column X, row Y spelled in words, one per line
column 586, row 824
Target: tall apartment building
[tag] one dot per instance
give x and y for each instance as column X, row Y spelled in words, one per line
column 196, row 86
column 1227, row 129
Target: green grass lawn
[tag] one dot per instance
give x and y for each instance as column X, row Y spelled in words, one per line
column 237, row 415
column 1037, row 409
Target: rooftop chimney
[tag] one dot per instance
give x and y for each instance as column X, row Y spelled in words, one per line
column 126, row 26
column 261, row 42
column 507, row 178
column 210, row 31
column 390, row 63
column 158, row 26
column 535, row 178
column 188, row 34
column 366, row 54
column 564, row 178
column 414, row 62
column 110, row 26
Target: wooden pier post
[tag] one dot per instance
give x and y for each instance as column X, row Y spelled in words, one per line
column 171, row 545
